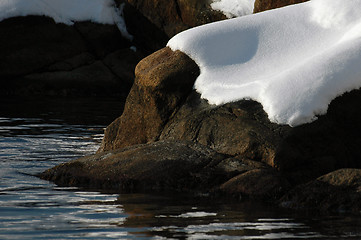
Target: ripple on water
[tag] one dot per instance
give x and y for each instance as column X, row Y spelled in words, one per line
column 35, row 139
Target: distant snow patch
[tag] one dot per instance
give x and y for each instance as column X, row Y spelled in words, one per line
column 67, row 11
column 233, row 8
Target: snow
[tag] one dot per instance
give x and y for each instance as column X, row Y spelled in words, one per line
column 293, row 60
column 67, row 11
column 233, row 8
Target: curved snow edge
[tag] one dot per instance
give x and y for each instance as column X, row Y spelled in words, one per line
column 293, row 60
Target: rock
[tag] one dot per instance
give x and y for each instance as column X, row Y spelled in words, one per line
column 176, row 166
column 83, row 59
column 147, row 36
column 163, row 81
column 170, row 166
column 265, row 184
column 101, row 39
column 238, row 165
column 338, row 191
column 33, row 62
column 263, row 5
column 162, row 106
column 121, row 62
column 25, row 49
column 94, row 78
column 69, row 64
column 242, row 128
column 172, row 17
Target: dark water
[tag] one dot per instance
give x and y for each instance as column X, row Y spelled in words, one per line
column 36, row 134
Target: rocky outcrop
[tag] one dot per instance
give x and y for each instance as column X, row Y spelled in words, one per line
column 264, row 5
column 163, row 81
column 338, row 191
column 41, row 57
column 260, row 159
column 174, row 16
column 162, row 106
column 243, row 129
column 168, row 138
column 156, row 166
column 176, row 166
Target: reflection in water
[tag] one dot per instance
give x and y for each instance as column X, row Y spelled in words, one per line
column 37, row 134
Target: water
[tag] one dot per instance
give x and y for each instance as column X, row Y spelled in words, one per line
column 36, row 134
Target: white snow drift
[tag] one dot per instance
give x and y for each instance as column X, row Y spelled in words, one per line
column 233, row 8
column 293, row 60
column 67, row 11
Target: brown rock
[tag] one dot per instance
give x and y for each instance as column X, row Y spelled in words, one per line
column 163, row 81
column 174, row 16
column 242, row 128
column 175, row 166
column 238, row 165
column 263, row 5
column 156, row 166
column 266, row 184
column 162, row 106
column 147, row 36
column 338, row 191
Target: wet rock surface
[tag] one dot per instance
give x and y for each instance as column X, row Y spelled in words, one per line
column 171, row 166
column 156, row 166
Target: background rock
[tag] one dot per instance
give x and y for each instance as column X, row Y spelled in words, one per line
column 174, row 16
column 41, row 57
column 263, row 5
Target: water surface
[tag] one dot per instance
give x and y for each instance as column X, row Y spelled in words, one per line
column 36, row 134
